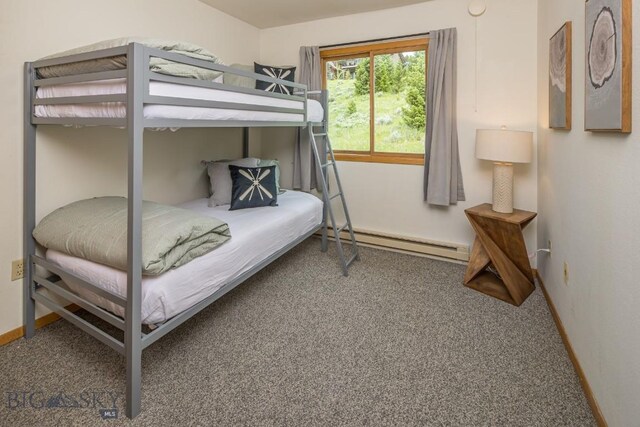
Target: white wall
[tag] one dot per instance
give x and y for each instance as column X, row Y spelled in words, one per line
column 589, row 199
column 388, row 198
column 75, row 164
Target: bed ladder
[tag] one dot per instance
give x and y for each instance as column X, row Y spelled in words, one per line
column 324, row 161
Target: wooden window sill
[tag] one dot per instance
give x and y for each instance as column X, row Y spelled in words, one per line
column 400, row 159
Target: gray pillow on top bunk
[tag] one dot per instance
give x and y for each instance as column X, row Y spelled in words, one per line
column 220, row 179
column 240, row 81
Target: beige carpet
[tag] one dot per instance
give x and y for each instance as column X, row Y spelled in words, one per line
column 398, row 342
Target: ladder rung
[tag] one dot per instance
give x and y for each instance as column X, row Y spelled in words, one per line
column 320, row 134
column 342, row 228
column 329, row 163
column 339, row 193
column 353, row 258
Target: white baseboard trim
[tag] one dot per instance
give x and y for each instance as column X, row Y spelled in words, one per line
column 410, row 245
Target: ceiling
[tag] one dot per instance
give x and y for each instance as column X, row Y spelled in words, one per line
column 274, row 13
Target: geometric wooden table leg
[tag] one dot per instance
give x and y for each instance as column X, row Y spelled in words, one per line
column 478, row 261
column 500, row 244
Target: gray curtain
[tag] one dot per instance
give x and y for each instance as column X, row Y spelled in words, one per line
column 442, row 175
column 305, row 174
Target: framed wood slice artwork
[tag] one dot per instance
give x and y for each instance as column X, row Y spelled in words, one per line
column 560, row 78
column 608, row 66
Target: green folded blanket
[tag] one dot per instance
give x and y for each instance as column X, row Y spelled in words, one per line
column 158, row 65
column 96, row 230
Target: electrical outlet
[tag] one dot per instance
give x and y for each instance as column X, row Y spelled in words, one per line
column 565, row 272
column 17, row 269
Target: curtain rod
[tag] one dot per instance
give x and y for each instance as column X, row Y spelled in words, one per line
column 374, row 40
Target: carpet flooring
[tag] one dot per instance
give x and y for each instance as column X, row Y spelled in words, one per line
column 398, row 342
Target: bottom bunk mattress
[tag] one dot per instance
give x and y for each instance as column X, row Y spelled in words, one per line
column 255, row 234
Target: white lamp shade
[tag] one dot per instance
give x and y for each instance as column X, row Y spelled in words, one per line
column 502, row 145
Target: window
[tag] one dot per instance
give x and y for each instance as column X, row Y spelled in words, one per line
column 377, row 113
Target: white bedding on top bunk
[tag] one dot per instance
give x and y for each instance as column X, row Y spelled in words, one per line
column 315, row 112
column 255, row 234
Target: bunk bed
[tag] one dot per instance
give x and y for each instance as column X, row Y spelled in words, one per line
column 136, row 97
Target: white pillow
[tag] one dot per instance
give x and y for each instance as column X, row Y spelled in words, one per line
column 220, row 178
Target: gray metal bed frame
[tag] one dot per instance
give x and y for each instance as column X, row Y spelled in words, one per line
column 138, row 76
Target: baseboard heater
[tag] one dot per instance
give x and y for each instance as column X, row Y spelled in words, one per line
column 412, row 245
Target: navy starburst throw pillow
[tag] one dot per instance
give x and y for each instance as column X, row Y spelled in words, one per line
column 277, row 73
column 253, row 187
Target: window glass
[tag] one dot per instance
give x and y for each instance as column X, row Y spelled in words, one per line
column 349, row 104
column 399, row 120
column 377, row 101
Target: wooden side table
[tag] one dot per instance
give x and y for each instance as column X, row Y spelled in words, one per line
column 500, row 243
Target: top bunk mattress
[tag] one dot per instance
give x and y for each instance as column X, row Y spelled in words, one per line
column 255, row 235
column 315, row 112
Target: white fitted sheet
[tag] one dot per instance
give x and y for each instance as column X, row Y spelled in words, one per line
column 315, row 112
column 255, row 234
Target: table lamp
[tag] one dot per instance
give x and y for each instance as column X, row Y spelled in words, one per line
column 503, row 147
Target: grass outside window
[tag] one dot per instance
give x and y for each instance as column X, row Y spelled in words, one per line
column 377, row 113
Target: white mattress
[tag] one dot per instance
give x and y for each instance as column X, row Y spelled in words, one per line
column 255, row 234
column 315, row 111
